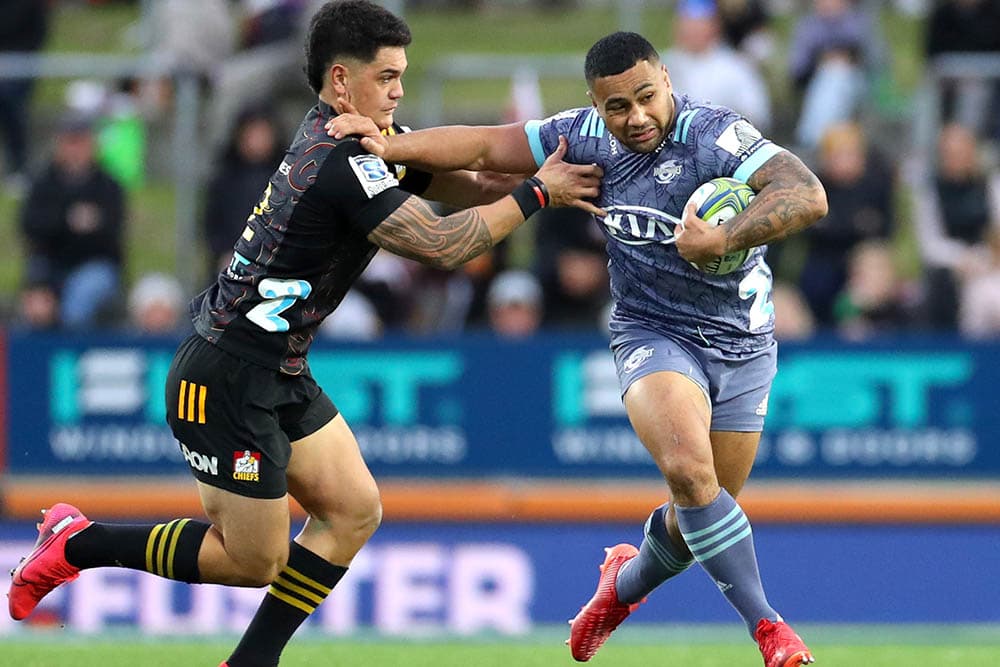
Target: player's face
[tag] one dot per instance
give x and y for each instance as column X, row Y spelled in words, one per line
column 636, row 105
column 375, row 88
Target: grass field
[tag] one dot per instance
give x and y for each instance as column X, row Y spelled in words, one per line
column 462, row 655
column 834, row 647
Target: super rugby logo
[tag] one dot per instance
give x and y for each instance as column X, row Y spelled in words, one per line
column 639, row 225
column 372, row 173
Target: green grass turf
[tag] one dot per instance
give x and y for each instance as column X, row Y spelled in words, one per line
column 157, row 654
column 633, row 647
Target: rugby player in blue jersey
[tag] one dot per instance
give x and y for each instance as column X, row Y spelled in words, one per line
column 694, row 351
column 253, row 425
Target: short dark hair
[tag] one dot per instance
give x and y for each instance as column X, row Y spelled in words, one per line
column 616, row 53
column 351, row 28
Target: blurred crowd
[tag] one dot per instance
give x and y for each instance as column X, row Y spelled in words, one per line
column 911, row 243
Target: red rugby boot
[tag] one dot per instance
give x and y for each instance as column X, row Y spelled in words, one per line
column 780, row 646
column 603, row 613
column 45, row 567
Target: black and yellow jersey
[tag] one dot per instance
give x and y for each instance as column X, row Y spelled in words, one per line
column 304, row 245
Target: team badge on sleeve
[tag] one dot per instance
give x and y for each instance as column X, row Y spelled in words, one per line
column 740, row 138
column 373, row 174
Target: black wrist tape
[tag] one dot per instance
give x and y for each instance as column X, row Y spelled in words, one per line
column 531, row 196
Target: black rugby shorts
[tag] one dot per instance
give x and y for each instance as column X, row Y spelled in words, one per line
column 235, row 420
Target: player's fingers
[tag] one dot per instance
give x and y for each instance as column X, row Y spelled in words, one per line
column 589, row 208
column 343, row 105
column 589, row 189
column 560, row 151
column 588, row 171
column 334, row 129
column 689, row 213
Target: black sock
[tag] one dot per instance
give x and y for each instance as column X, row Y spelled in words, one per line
column 168, row 550
column 299, row 589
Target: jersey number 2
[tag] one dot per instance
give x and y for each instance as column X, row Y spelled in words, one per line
column 280, row 294
column 757, row 286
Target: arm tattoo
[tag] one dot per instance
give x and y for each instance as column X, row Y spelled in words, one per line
column 415, row 231
column 789, row 199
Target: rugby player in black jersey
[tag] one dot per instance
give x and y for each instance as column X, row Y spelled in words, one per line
column 252, row 423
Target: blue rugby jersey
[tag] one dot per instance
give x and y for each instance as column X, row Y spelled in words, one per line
column 644, row 195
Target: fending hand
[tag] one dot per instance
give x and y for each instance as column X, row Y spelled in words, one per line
column 571, row 184
column 349, row 121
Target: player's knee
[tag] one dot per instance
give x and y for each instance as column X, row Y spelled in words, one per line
column 262, row 573
column 689, row 481
column 355, row 520
column 364, row 516
column 263, row 567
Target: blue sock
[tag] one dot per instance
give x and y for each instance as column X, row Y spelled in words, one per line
column 720, row 538
column 658, row 560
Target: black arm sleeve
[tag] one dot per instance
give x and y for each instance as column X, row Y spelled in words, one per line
column 359, row 185
column 415, row 181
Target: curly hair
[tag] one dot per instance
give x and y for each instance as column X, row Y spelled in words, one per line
column 616, row 53
column 349, row 28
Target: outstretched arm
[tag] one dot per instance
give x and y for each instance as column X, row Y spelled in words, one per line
column 465, row 188
column 413, row 230
column 501, row 148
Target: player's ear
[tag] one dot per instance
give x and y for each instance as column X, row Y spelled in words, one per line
column 592, row 100
column 339, row 78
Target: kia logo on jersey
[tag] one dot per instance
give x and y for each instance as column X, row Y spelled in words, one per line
column 639, row 225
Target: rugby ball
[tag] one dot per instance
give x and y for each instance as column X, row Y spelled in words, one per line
column 715, row 202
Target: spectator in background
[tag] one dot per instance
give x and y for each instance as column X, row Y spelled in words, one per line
column 121, row 136
column 73, row 225
column 835, row 50
column 572, row 266
column 237, row 185
column 514, row 302
column 955, row 201
column 793, row 320
column 875, row 300
column 860, row 186
column 705, row 68
column 355, row 319
column 267, row 56
column 390, row 284
column 746, row 27
column 979, row 305
column 119, row 127
column 157, row 306
column 193, row 36
column 967, row 26
column 39, row 306
column 451, row 301
column 23, row 29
